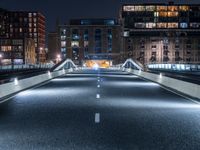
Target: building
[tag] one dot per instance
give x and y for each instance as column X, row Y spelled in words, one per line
column 25, row 24
column 53, row 46
column 17, row 51
column 29, row 51
column 161, row 33
column 90, row 39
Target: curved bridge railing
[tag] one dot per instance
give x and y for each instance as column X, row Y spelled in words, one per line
column 130, row 63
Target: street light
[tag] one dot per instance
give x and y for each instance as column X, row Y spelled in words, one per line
column 58, row 58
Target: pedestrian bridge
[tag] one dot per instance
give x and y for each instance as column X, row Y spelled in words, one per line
column 80, row 108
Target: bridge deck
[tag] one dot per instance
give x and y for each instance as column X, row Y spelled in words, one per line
column 118, row 112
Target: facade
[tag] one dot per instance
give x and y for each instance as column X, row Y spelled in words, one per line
column 17, row 51
column 22, row 24
column 161, row 33
column 53, row 46
column 85, row 39
column 29, row 51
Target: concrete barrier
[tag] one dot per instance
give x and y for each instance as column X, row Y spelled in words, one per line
column 19, row 85
column 190, row 89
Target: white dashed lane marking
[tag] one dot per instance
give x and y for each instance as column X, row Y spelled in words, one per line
column 97, row 118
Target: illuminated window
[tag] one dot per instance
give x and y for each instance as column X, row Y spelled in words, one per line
column 74, row 44
column 63, row 50
column 194, row 25
column 172, row 25
column 161, row 8
column 128, row 8
column 140, row 25
column 183, row 25
column 139, row 8
column 173, row 8
column 20, row 29
column 184, row 8
column 161, row 25
column 6, row 48
column 163, row 14
column 63, row 43
column 156, row 14
column 30, row 14
column 63, row 38
column 150, row 25
column 172, row 14
column 150, row 8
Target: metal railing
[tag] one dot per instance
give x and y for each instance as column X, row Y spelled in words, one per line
column 174, row 67
column 130, row 63
column 21, row 67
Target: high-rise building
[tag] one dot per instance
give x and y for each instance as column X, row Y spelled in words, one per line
column 161, row 33
column 24, row 24
column 85, row 39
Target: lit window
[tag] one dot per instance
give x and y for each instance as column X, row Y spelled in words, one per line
column 183, row 25
column 139, row 8
column 150, row 25
column 140, row 25
column 194, row 25
column 75, row 44
column 161, row 8
column 172, row 25
column 163, row 14
column 161, row 25
column 173, row 8
column 63, row 43
column 63, row 50
column 63, row 38
column 30, row 14
column 150, row 8
column 128, row 8
column 172, row 14
column 184, row 8
column 156, row 14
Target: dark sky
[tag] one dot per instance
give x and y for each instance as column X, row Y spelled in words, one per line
column 66, row 9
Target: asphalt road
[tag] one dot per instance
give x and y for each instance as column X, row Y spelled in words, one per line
column 123, row 113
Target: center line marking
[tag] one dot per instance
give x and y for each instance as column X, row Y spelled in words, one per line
column 98, row 86
column 97, row 118
column 98, row 96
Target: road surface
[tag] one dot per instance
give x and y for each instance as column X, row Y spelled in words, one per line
column 99, row 110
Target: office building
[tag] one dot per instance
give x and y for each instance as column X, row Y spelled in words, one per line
column 161, row 33
column 90, row 39
column 25, row 24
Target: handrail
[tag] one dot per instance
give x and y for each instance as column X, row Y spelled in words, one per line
column 63, row 63
column 135, row 63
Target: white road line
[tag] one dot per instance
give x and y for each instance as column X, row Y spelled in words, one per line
column 98, row 80
column 98, row 86
column 98, row 96
column 97, row 118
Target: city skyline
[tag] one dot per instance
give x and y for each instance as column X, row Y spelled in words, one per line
column 75, row 9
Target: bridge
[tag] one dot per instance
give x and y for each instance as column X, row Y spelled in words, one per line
column 122, row 107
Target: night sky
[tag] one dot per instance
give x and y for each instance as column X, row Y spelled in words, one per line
column 67, row 9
